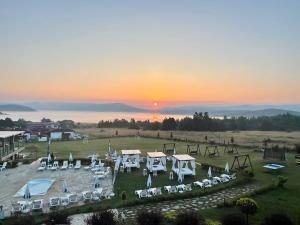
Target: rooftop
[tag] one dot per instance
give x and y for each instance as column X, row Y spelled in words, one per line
column 6, row 134
column 183, row 157
column 131, row 152
column 156, row 154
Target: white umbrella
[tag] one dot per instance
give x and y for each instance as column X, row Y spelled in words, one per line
column 71, row 157
column 65, row 186
column 49, row 158
column 93, row 158
column 180, row 177
column 209, row 172
column 174, row 153
column 49, row 142
column 227, row 168
column 97, row 182
column 27, row 194
column 109, row 146
column 149, row 181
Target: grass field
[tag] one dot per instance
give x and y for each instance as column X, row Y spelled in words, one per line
column 243, row 138
column 286, row 199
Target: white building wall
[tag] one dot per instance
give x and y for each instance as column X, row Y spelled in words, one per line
column 56, row 135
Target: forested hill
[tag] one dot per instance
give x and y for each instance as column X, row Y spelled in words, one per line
column 203, row 122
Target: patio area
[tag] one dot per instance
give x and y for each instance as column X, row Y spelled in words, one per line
column 12, row 180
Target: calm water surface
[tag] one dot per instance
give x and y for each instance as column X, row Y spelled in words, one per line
column 86, row 116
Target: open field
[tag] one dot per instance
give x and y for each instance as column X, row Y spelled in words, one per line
column 243, row 138
column 280, row 199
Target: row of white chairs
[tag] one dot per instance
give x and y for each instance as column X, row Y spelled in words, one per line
column 147, row 193
column 207, row 183
column 55, row 166
column 28, row 206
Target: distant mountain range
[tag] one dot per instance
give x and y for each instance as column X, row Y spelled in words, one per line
column 15, row 107
column 213, row 110
column 235, row 110
column 67, row 106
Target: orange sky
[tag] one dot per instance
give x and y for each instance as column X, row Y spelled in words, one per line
column 145, row 51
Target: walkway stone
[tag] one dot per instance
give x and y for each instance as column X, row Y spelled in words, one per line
column 202, row 202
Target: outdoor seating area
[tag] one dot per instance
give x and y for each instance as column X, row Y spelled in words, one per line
column 156, row 161
column 131, row 158
column 49, row 185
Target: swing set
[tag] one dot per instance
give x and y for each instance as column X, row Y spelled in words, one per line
column 212, row 151
column 169, row 147
column 241, row 162
column 231, row 149
column 193, row 149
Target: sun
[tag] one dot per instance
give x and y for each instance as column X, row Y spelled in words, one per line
column 155, row 104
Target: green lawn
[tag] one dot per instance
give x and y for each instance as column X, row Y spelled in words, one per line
column 278, row 200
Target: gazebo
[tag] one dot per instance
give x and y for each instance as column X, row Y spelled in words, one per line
column 156, row 161
column 131, row 158
column 183, row 165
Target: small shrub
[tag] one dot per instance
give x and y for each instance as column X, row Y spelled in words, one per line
column 124, row 196
column 247, row 206
column 149, row 218
column 213, row 222
column 281, row 181
column 190, row 218
column 58, row 217
column 170, row 216
column 234, row 219
column 297, row 148
column 22, row 220
column 277, row 219
column 101, row 218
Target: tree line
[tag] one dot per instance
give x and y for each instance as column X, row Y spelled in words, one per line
column 203, row 122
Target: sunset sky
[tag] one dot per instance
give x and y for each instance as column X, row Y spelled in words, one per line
column 138, row 52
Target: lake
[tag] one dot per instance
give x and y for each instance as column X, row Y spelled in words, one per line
column 86, row 116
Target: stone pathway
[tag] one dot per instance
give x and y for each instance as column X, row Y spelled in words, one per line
column 203, row 202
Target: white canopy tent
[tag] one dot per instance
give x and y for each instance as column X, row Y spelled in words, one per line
column 183, row 165
column 131, row 158
column 156, row 161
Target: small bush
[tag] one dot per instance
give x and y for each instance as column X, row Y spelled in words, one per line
column 281, row 181
column 234, row 219
column 58, row 217
column 23, row 220
column 189, row 218
column 277, row 219
column 101, row 218
column 170, row 216
column 297, row 148
column 247, row 206
column 149, row 218
column 124, row 196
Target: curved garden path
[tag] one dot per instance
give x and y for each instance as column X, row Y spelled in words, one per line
column 196, row 203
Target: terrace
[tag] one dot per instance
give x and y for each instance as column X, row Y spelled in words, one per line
column 11, row 143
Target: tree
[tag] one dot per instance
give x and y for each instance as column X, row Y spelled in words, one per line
column 149, row 218
column 45, row 120
column 58, row 217
column 247, row 206
column 106, row 217
column 234, row 219
column 22, row 220
column 189, row 218
column 277, row 219
column 169, row 124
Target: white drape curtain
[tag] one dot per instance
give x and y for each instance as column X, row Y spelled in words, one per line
column 164, row 163
column 137, row 160
column 173, row 163
column 125, row 158
column 193, row 163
